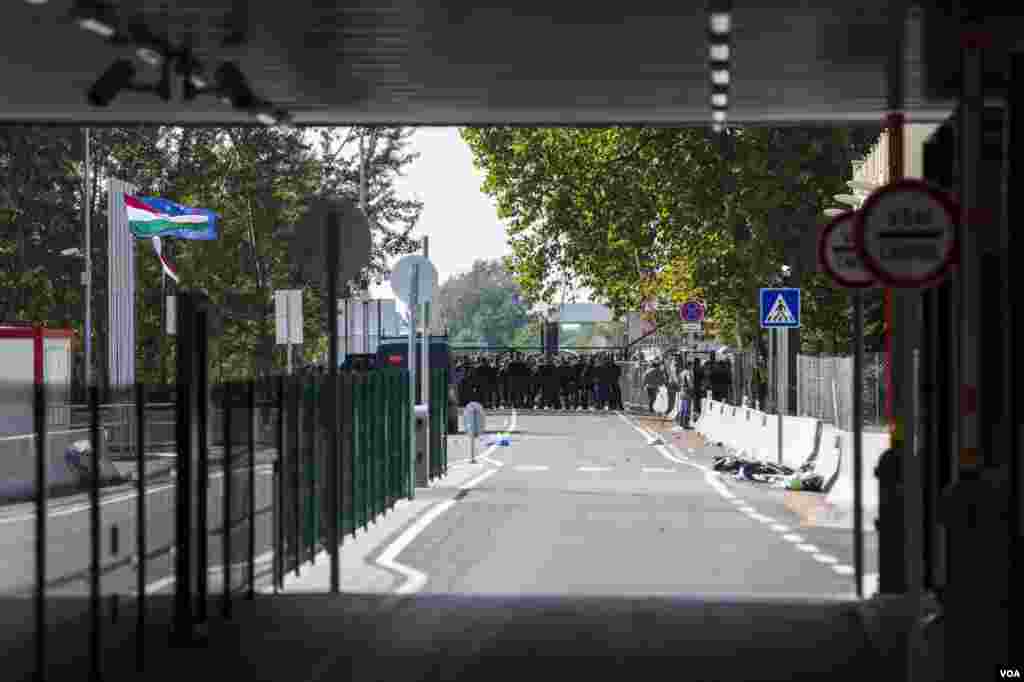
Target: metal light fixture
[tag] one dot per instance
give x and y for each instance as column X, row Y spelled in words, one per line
column 848, row 199
column 861, row 185
column 718, row 128
column 118, row 77
column 721, row 23
column 95, row 17
column 150, row 56
column 234, row 87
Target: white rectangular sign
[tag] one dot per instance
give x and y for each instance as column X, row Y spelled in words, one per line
column 172, row 315
column 288, row 315
column 693, row 327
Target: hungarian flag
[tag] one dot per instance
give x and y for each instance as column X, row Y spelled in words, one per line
column 154, row 217
column 168, row 268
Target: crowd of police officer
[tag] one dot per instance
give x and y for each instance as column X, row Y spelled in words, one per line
column 540, row 382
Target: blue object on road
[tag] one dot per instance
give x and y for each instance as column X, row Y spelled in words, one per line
column 780, row 308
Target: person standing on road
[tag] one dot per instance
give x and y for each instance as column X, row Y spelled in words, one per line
column 654, row 379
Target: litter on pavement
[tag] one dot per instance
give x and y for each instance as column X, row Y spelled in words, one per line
column 777, row 475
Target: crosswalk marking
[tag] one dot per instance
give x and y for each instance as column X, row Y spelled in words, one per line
column 595, row 468
column 658, row 470
column 532, row 467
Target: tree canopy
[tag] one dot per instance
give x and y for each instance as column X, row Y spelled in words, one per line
column 481, row 307
column 668, row 215
column 258, row 180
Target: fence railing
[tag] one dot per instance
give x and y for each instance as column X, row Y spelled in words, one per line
column 263, row 458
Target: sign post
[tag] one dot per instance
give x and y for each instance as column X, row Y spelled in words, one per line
column 413, row 279
column 780, row 310
column 474, row 417
column 837, row 254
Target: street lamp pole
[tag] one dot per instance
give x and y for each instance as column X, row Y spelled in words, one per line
column 87, row 275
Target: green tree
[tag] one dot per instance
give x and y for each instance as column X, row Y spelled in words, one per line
column 645, row 214
column 481, row 307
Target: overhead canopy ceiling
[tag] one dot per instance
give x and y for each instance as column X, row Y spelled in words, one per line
column 458, row 62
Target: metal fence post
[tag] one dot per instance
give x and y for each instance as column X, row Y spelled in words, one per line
column 42, row 504
column 96, row 630
column 252, row 488
column 140, row 527
column 227, row 470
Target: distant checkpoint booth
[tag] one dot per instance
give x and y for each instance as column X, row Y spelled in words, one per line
column 556, row 317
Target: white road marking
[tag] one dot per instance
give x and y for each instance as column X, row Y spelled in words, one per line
column 215, row 570
column 762, row 518
column 594, row 469
column 532, row 467
column 843, row 569
column 779, row 528
column 415, row 580
column 658, row 470
column 826, row 559
column 737, row 501
column 794, row 538
column 747, row 510
column 114, row 499
column 810, row 549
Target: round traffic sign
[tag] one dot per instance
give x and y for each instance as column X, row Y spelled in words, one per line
column 837, row 253
column 401, row 278
column 906, row 234
column 691, row 311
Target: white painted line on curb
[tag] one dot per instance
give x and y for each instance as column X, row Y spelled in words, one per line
column 793, row 537
column 747, row 510
column 825, row 559
column 843, row 569
column 810, row 549
column 762, row 518
column 738, row 502
column 779, row 528
column 531, row 467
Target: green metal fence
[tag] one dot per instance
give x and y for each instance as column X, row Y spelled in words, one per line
column 438, row 422
column 373, row 422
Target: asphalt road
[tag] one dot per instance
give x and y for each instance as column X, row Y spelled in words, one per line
column 582, row 504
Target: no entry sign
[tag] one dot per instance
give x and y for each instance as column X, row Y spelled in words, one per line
column 837, row 253
column 906, row 234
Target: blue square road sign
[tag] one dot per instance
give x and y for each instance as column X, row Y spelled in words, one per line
column 780, row 308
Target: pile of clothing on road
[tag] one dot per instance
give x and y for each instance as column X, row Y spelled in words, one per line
column 777, row 475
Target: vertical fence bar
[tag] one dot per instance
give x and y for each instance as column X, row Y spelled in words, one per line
column 252, row 489
column 374, row 424
column 96, row 632
column 42, row 502
column 140, row 527
column 364, row 425
column 297, row 470
column 279, row 470
column 229, row 486
column 348, row 452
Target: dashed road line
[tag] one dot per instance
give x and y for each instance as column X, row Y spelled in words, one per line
column 780, row 528
column 825, row 559
column 658, row 470
column 594, row 469
column 793, row 537
column 810, row 549
column 843, row 569
column 531, row 467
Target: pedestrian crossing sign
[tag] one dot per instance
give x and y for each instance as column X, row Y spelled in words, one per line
column 780, row 308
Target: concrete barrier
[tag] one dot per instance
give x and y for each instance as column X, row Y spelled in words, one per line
column 840, row 497
column 18, row 464
column 799, row 435
column 828, row 457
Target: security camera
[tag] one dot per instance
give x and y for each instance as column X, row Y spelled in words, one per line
column 118, row 77
column 233, row 86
